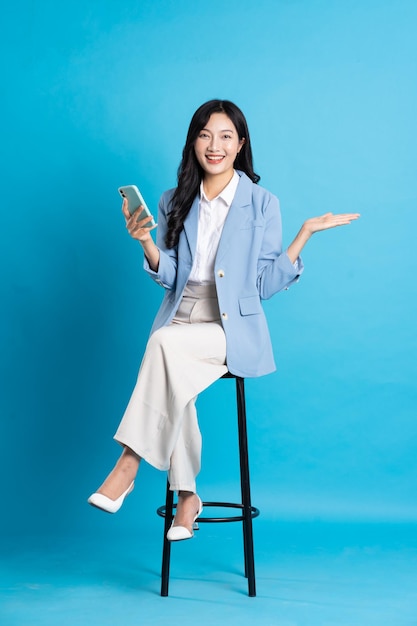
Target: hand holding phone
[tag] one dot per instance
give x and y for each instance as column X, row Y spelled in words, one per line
column 134, row 201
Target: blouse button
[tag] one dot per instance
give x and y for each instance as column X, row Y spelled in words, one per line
column 225, row 316
column 220, row 273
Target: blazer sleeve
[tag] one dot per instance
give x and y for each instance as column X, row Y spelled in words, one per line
column 166, row 275
column 275, row 270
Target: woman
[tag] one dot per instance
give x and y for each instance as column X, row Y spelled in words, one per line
column 218, row 254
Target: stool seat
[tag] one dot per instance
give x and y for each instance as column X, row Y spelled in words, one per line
column 247, row 511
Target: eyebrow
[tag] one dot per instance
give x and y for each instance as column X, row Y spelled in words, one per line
column 225, row 130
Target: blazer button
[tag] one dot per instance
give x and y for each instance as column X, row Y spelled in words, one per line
column 220, row 273
column 225, row 316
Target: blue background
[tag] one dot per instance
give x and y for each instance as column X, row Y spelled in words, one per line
column 100, row 94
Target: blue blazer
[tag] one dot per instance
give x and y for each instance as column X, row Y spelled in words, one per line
column 250, row 266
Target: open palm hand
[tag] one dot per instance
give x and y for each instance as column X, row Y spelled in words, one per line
column 329, row 220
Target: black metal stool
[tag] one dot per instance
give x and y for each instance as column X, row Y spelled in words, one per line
column 248, row 512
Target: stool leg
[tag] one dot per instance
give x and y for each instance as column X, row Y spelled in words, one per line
column 245, row 487
column 166, row 552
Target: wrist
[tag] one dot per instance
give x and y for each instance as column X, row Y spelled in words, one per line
column 144, row 241
column 305, row 231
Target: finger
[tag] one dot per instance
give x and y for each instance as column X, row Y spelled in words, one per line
column 132, row 222
column 137, row 230
column 137, row 212
column 342, row 216
column 350, row 216
column 125, row 210
column 346, row 219
column 342, row 222
column 142, row 223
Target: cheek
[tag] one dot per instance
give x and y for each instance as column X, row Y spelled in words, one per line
column 198, row 149
column 199, row 156
column 233, row 149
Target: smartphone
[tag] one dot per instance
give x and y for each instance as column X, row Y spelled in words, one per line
column 134, row 201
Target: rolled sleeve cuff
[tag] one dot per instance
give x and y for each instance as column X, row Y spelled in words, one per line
column 161, row 276
column 297, row 268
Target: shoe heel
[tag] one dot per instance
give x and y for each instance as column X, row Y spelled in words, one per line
column 196, row 526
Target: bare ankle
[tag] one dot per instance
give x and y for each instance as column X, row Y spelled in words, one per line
column 186, row 494
column 122, row 475
column 128, row 460
column 131, row 454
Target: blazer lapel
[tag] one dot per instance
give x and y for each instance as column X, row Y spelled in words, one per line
column 191, row 226
column 235, row 217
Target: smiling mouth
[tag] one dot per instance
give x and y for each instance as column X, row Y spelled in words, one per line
column 214, row 159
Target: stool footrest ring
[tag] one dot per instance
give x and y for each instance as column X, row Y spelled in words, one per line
column 161, row 511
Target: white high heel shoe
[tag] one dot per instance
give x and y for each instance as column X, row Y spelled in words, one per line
column 179, row 533
column 106, row 504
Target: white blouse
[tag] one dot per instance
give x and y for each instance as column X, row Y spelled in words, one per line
column 211, row 218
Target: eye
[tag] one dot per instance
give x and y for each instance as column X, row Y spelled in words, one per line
column 227, row 136
column 203, row 135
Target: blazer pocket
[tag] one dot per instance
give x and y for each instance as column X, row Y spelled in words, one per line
column 252, row 224
column 250, row 305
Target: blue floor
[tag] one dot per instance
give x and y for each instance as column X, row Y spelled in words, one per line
column 308, row 574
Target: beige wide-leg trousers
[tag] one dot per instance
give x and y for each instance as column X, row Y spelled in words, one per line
column 181, row 360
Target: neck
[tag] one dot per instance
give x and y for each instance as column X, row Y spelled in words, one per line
column 213, row 185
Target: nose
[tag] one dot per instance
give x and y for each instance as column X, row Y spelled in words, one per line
column 213, row 145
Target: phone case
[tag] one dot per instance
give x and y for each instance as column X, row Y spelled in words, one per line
column 134, row 201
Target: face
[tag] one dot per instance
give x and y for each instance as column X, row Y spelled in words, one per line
column 217, row 145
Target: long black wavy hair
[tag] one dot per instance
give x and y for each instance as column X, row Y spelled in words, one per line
column 190, row 172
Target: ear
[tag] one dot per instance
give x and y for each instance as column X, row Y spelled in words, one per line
column 241, row 142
